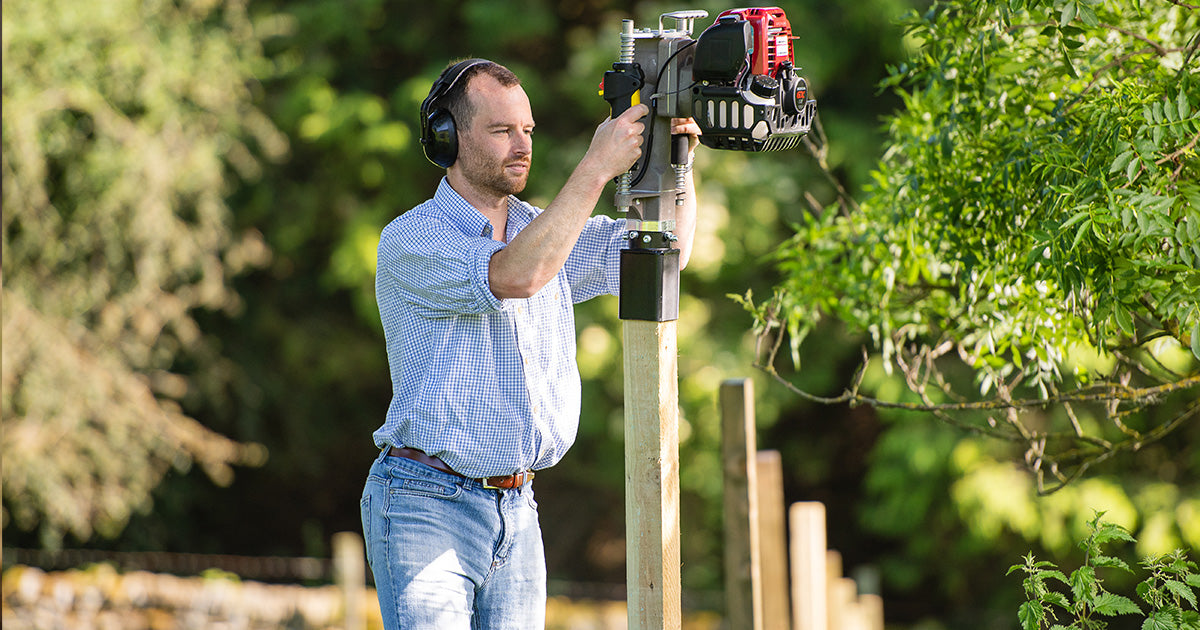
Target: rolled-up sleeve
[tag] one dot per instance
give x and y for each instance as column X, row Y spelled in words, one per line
column 594, row 265
column 437, row 268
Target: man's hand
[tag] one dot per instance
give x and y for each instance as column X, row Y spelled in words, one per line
column 689, row 127
column 617, row 143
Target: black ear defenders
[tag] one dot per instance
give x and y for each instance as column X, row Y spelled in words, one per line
column 439, row 137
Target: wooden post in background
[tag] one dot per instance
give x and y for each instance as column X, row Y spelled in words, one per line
column 872, row 607
column 842, row 603
column 652, row 475
column 835, row 592
column 809, row 592
column 349, row 569
column 743, row 594
column 772, row 542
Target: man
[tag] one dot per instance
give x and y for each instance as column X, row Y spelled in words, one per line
column 475, row 290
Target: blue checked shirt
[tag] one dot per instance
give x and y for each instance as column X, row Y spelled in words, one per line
column 489, row 386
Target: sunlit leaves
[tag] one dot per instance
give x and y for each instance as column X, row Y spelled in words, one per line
column 1168, row 590
column 1022, row 205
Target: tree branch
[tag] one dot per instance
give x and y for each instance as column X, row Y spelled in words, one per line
column 1056, row 458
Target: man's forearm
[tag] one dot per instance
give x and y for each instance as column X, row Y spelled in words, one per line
column 685, row 222
column 537, row 253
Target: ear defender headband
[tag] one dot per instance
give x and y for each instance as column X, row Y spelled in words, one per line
column 439, row 137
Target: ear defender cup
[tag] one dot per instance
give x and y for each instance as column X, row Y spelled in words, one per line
column 439, row 138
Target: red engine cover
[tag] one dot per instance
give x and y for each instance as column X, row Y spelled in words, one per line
column 772, row 37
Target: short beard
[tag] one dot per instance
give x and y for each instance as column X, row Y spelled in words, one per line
column 492, row 177
column 501, row 184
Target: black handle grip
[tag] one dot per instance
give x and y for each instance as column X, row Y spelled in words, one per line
column 622, row 86
column 679, row 148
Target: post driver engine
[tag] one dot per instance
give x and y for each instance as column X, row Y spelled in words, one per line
column 739, row 81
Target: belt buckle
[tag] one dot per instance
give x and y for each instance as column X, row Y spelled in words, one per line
column 518, row 480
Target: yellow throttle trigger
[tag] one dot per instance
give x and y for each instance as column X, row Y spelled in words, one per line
column 622, row 87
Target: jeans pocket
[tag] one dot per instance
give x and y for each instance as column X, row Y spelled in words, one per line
column 430, row 488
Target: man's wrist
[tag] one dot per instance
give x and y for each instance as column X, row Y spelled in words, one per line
column 589, row 175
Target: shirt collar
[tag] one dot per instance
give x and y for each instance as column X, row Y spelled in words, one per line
column 462, row 214
column 465, row 217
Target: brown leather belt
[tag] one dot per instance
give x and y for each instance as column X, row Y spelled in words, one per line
column 502, row 482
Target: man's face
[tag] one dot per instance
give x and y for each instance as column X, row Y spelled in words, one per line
column 495, row 150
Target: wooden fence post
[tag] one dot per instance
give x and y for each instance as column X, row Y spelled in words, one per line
column 743, row 594
column 652, row 475
column 872, row 608
column 756, row 572
column 349, row 569
column 809, row 590
column 835, row 593
column 772, row 542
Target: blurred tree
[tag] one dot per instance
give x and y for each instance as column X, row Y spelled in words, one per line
column 121, row 123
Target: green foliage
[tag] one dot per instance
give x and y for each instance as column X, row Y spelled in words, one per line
column 1168, row 590
column 1034, row 220
column 265, row 327
column 123, row 122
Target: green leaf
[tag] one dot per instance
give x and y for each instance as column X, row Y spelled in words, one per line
column 1182, row 591
column 1030, row 615
column 1088, row 16
column 1111, row 563
column 1111, row 605
column 1056, row 575
column 1109, row 532
column 1083, row 582
column 1195, row 353
column 1124, row 319
column 1122, row 161
column 1054, row 597
column 1185, row 108
column 1143, row 590
column 1067, row 60
column 1083, row 229
column 1131, row 169
column 1076, row 218
column 1165, row 619
column 1170, row 110
column 1068, row 13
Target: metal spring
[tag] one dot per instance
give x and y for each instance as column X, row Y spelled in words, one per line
column 681, row 171
column 626, row 54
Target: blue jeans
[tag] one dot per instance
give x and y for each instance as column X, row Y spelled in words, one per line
column 448, row 553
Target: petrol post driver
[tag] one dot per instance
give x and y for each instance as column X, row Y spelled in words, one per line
column 739, row 81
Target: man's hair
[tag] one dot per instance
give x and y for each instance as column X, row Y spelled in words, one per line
column 456, row 99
